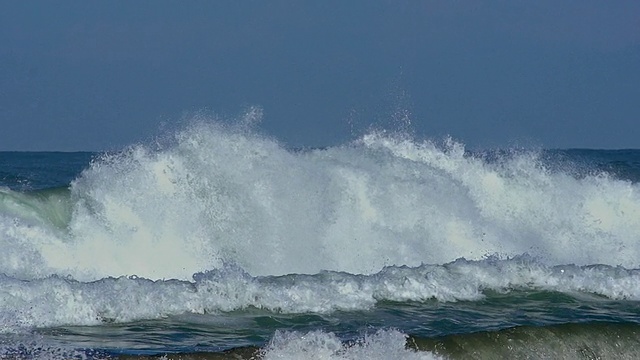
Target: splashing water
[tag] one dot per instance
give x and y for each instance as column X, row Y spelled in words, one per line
column 218, row 195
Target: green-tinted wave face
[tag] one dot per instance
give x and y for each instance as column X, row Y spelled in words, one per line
column 566, row 341
column 48, row 207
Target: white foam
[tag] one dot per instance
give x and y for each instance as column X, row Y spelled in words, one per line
column 57, row 301
column 319, row 345
column 218, row 195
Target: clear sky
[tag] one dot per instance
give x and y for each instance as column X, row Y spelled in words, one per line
column 97, row 75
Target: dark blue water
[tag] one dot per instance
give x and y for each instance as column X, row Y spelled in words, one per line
column 227, row 244
column 24, row 171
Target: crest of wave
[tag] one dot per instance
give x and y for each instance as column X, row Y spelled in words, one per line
column 228, row 195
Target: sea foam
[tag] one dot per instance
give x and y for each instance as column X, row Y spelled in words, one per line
column 217, row 195
column 57, row 301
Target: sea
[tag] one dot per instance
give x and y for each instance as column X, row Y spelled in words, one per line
column 220, row 242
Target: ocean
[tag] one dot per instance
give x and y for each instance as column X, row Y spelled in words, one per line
column 221, row 243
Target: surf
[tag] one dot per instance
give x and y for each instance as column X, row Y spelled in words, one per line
column 60, row 301
column 216, row 194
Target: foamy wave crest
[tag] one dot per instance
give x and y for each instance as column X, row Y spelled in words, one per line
column 220, row 195
column 384, row 344
column 57, row 301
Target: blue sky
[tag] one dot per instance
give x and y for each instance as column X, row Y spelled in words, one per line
column 101, row 75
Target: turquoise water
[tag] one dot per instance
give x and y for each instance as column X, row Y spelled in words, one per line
column 223, row 243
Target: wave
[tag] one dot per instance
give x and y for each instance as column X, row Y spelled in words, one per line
column 566, row 341
column 384, row 344
column 217, row 195
column 57, row 301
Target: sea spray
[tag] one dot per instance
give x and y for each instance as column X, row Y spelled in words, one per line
column 319, row 345
column 221, row 195
column 216, row 239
